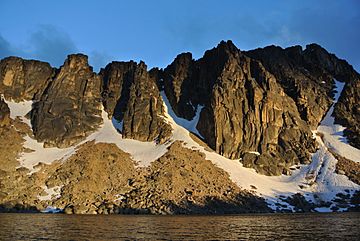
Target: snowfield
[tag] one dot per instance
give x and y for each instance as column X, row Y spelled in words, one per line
column 316, row 181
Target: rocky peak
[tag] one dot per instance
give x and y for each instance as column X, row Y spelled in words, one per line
column 308, row 76
column 132, row 97
column 189, row 83
column 24, row 79
column 117, row 78
column 76, row 62
column 307, row 84
column 226, row 46
column 245, row 109
column 178, row 85
column 70, row 108
column 249, row 112
column 340, row 69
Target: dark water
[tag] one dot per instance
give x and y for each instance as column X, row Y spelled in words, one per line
column 342, row 226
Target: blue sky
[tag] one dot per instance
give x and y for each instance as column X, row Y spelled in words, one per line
column 156, row 31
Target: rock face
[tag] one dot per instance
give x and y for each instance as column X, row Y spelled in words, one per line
column 307, row 77
column 306, row 83
column 245, row 109
column 177, row 82
column 70, row 108
column 347, row 111
column 4, row 114
column 132, row 97
column 24, row 79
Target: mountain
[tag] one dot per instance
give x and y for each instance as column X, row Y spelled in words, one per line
column 265, row 130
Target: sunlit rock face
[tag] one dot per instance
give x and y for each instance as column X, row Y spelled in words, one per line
column 246, row 110
column 24, row 79
column 70, row 107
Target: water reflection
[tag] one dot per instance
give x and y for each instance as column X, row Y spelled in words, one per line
column 241, row 227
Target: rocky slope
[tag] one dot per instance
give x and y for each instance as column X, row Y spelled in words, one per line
column 184, row 139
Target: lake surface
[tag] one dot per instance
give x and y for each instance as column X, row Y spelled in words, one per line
column 337, row 226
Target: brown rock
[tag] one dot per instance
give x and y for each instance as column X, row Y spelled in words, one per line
column 4, row 113
column 245, row 109
column 308, row 76
column 70, row 108
column 24, row 79
column 132, row 96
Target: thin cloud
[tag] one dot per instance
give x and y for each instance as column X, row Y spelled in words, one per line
column 51, row 44
column 5, row 47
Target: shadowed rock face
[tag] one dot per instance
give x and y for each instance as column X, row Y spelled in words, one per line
column 117, row 79
column 4, row 114
column 24, row 79
column 132, row 97
column 245, row 109
column 307, row 77
column 70, row 108
column 347, row 111
column 179, row 85
column 306, row 83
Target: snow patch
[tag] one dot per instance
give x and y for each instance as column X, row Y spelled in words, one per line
column 117, row 124
column 20, row 109
column 323, row 210
column 142, row 152
column 51, row 193
column 189, row 125
column 36, row 152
